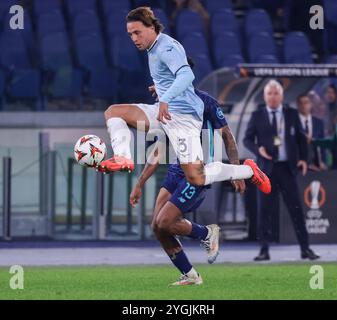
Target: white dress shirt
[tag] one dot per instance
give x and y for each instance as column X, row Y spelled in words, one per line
column 308, row 118
column 282, row 151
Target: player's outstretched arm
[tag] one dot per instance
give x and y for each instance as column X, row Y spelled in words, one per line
column 151, row 166
column 233, row 155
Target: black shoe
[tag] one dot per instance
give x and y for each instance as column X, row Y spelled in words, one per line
column 263, row 255
column 309, row 254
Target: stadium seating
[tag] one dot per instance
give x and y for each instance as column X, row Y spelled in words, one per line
column 223, row 20
column 66, row 83
column 2, row 88
column 330, row 11
column 261, row 48
column 226, row 49
column 256, row 21
column 92, row 58
column 115, row 23
column 77, row 6
column 26, row 33
column 5, row 5
column 57, row 31
column 202, row 66
column 161, row 15
column 86, row 22
column 13, row 53
column 187, row 22
column 297, row 48
column 50, row 22
column 213, row 6
column 196, row 47
column 54, row 52
column 195, row 42
column 45, row 6
column 109, row 6
column 25, row 84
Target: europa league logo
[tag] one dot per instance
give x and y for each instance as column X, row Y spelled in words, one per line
column 315, row 190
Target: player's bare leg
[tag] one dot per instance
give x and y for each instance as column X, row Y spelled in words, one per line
column 172, row 246
column 199, row 174
column 118, row 117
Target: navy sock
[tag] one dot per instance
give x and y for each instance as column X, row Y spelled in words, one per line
column 181, row 262
column 198, row 231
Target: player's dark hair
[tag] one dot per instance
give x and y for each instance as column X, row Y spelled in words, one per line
column 146, row 16
column 190, row 62
column 303, row 95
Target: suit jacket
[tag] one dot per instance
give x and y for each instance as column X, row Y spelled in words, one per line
column 260, row 133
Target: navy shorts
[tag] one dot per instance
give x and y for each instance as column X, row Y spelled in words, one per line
column 184, row 196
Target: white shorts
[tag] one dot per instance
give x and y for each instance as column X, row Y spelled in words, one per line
column 183, row 131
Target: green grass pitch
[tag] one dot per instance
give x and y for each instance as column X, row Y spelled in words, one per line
column 221, row 282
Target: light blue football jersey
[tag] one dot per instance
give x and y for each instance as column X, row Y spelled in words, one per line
column 166, row 57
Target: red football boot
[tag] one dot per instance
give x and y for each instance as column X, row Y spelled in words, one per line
column 116, row 163
column 259, row 178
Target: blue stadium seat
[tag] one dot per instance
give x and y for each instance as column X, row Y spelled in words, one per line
column 116, row 23
column 331, row 59
column 297, row 48
column 256, row 21
column 76, row 6
column 260, row 45
column 13, row 53
column 91, row 57
column 232, row 61
column 225, row 45
column 267, row 59
column 54, row 52
column 45, row 6
column 124, row 54
column 214, row 6
column 90, row 52
column 26, row 33
column 51, row 22
column 196, row 43
column 2, row 88
column 66, row 83
column 202, row 66
column 103, row 84
column 25, row 83
column 187, row 22
column 223, row 20
column 330, row 34
column 5, row 6
column 86, row 22
column 109, row 6
column 161, row 15
column 330, row 11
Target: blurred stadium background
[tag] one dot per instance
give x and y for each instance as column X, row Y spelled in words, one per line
column 74, row 58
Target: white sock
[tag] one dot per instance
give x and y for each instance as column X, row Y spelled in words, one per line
column 120, row 136
column 192, row 273
column 218, row 171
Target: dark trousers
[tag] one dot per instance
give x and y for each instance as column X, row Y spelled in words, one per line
column 282, row 180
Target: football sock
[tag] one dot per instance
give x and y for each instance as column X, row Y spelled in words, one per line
column 218, row 171
column 198, row 231
column 181, row 262
column 120, row 136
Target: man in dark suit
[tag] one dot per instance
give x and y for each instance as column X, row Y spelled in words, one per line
column 313, row 129
column 275, row 136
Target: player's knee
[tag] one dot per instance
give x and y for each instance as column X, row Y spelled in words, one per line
column 163, row 225
column 112, row 111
